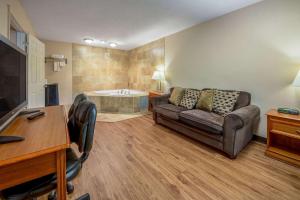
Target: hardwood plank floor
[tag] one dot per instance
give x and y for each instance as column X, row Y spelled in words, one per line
column 138, row 160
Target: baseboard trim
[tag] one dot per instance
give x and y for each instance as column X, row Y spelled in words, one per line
column 260, row 139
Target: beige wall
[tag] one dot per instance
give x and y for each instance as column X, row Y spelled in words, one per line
column 96, row 68
column 19, row 13
column 256, row 49
column 143, row 61
column 64, row 77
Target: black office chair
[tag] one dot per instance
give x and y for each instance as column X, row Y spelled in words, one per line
column 81, row 126
column 78, row 99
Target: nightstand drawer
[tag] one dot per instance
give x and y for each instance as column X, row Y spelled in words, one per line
column 285, row 127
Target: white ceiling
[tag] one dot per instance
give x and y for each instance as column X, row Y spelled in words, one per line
column 130, row 23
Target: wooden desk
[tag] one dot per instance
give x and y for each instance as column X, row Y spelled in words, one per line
column 41, row 153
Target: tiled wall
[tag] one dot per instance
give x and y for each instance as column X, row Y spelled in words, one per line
column 143, row 61
column 96, row 68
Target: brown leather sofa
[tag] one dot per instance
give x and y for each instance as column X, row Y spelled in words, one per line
column 229, row 134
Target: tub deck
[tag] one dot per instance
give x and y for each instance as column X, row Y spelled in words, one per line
column 112, row 101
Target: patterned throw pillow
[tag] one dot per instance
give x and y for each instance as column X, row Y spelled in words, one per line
column 176, row 95
column 205, row 101
column 190, row 98
column 224, row 101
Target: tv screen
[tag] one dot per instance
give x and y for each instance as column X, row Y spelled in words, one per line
column 12, row 80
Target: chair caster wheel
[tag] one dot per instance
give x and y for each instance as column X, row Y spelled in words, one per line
column 70, row 188
column 52, row 196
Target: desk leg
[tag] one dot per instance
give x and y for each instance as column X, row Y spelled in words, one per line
column 61, row 175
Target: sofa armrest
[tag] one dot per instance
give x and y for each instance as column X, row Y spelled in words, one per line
column 158, row 100
column 239, row 126
column 242, row 116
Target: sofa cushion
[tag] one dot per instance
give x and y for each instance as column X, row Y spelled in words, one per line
column 203, row 120
column 169, row 110
column 205, row 101
column 176, row 95
column 190, row 98
column 243, row 100
column 224, row 101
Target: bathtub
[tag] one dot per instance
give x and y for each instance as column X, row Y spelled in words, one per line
column 119, row 101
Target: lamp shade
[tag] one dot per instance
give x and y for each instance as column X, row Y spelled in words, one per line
column 158, row 75
column 296, row 81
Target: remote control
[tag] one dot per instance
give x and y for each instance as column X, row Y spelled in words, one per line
column 25, row 112
column 37, row 115
column 9, row 139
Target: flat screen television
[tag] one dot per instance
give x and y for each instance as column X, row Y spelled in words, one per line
column 13, row 81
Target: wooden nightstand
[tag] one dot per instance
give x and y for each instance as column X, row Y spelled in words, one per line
column 153, row 94
column 283, row 137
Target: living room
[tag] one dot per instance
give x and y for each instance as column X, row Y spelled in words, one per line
column 187, row 99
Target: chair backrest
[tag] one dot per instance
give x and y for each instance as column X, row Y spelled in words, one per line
column 79, row 98
column 82, row 125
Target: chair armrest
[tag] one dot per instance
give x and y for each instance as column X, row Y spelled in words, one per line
column 158, row 100
column 239, row 127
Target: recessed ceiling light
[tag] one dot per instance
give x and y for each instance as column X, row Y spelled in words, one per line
column 113, row 44
column 88, row 40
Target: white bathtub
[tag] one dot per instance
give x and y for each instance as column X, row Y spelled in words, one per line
column 119, row 101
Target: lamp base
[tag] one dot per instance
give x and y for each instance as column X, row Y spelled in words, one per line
column 158, row 87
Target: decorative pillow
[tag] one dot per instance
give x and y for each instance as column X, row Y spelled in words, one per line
column 176, row 95
column 205, row 101
column 190, row 98
column 224, row 101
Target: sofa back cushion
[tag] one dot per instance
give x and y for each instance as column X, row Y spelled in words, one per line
column 176, row 95
column 243, row 100
column 190, row 98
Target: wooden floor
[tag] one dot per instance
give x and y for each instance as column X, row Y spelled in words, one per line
column 135, row 159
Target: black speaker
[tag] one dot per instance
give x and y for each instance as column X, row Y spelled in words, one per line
column 51, row 94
